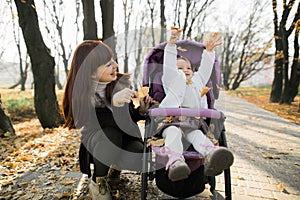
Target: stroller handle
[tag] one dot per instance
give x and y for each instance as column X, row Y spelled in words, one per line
column 192, row 112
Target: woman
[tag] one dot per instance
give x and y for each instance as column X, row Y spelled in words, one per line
column 98, row 102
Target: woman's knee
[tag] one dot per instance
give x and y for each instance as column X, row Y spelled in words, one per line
column 134, row 146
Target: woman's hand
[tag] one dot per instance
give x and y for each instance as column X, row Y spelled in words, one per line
column 214, row 40
column 145, row 104
column 123, row 96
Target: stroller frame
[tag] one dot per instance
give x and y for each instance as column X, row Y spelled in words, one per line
column 151, row 79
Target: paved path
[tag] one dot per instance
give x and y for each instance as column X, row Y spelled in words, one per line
column 267, row 154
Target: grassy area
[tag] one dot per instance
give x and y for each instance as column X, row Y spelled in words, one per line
column 20, row 104
column 260, row 96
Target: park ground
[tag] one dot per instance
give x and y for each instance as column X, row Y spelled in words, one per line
column 49, row 157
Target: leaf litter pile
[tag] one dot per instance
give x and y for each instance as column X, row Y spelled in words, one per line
column 43, row 164
column 36, row 162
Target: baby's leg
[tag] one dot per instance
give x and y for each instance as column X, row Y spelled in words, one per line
column 173, row 136
column 200, row 142
column 178, row 169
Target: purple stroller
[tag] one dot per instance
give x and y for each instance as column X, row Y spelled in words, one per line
column 153, row 159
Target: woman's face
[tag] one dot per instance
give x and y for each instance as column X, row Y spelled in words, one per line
column 107, row 72
column 186, row 68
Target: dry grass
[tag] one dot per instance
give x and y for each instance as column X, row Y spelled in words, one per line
column 260, row 97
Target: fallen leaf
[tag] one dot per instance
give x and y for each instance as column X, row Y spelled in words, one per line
column 269, row 156
column 7, row 134
column 68, row 182
column 280, row 187
column 240, row 178
column 155, row 142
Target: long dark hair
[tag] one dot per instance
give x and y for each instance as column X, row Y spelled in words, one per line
column 88, row 56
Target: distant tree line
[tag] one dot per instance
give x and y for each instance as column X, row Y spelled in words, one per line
column 243, row 54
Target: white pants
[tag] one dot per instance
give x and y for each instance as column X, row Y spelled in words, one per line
column 173, row 140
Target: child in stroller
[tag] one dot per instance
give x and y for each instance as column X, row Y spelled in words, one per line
column 178, row 117
column 185, row 88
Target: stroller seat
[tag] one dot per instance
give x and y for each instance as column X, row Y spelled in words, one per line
column 154, row 159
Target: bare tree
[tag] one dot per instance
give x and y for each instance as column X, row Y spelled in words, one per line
column 89, row 21
column 291, row 82
column 108, row 11
column 152, row 4
column 281, row 86
column 139, row 36
column 4, row 26
column 128, row 9
column 295, row 72
column 62, row 50
column 45, row 101
column 162, row 21
column 241, row 57
column 16, row 35
column 76, row 18
column 192, row 13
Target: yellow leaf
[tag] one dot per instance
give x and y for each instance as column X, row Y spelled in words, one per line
column 143, row 91
column 204, row 91
column 169, row 119
column 176, row 28
column 181, row 49
column 269, row 156
column 155, row 142
column 7, row 134
column 240, row 178
column 280, row 187
column 68, row 182
column 6, row 182
column 66, row 194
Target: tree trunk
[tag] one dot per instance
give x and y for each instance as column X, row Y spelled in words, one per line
column 5, row 122
column 42, row 63
column 89, row 22
column 293, row 83
column 278, row 64
column 281, row 35
column 107, row 9
column 162, row 21
column 295, row 73
column 108, row 36
column 278, row 78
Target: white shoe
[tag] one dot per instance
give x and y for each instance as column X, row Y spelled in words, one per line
column 99, row 190
column 179, row 170
column 217, row 160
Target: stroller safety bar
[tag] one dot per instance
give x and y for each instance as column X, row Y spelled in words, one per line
column 192, row 112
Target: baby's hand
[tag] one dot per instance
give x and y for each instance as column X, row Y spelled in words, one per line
column 175, row 34
column 214, row 40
